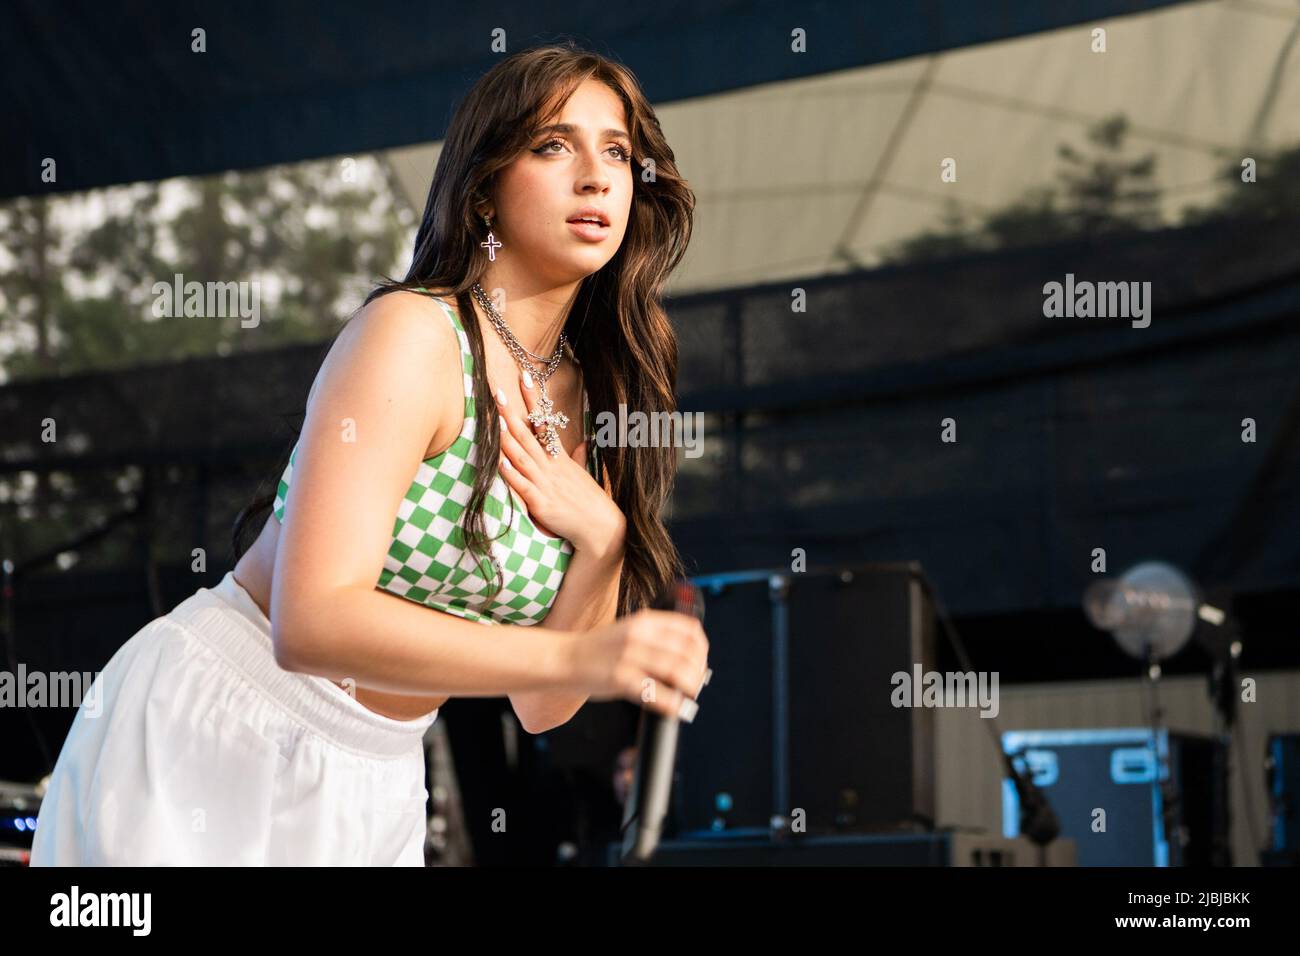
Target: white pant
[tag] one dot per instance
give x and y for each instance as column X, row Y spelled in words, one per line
column 201, row 750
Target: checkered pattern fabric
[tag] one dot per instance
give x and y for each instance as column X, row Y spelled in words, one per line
column 428, row 561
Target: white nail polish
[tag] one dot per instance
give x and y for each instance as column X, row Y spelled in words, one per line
column 688, row 710
column 505, row 425
column 528, row 379
column 501, row 397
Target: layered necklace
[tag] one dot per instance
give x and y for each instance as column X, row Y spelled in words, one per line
column 544, row 413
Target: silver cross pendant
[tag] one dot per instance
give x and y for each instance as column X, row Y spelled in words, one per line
column 543, row 415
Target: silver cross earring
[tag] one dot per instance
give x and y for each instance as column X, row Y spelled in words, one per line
column 492, row 245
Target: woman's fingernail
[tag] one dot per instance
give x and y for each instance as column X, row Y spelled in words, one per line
column 528, row 379
column 501, row 397
column 505, row 425
column 688, row 710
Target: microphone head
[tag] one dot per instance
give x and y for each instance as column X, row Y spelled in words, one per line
column 681, row 595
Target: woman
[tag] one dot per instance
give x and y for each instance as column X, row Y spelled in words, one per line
column 278, row 717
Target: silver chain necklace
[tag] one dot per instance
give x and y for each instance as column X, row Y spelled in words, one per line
column 544, row 414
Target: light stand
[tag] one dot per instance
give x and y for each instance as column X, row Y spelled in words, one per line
column 1151, row 611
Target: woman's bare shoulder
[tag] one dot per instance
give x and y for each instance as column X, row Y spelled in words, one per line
column 409, row 319
column 404, row 338
column 419, row 302
column 406, row 313
column 426, row 298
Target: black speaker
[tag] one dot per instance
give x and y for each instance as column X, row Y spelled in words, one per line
column 797, row 721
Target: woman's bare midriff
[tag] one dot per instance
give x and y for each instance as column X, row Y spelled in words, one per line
column 253, row 573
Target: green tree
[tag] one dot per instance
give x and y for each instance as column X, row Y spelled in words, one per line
column 313, row 237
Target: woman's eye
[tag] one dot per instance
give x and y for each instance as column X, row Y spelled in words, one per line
column 624, row 154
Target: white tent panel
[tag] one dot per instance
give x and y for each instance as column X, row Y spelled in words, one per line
column 819, row 175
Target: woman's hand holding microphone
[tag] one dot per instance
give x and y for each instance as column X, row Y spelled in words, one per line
column 658, row 659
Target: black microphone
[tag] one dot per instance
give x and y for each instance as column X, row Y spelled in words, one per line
column 656, row 749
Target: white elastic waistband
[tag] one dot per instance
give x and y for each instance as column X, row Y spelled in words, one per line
column 228, row 620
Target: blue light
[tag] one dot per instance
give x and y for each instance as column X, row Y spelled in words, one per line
column 31, row 823
column 19, row 825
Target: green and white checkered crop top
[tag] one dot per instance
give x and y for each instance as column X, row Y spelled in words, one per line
column 428, row 561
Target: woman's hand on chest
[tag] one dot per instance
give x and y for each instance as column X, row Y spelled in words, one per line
column 561, row 496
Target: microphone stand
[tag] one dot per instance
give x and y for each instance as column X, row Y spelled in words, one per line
column 1038, row 821
column 1162, row 782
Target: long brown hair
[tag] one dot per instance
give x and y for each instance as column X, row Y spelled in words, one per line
column 618, row 328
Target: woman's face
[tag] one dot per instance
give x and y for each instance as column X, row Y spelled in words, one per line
column 586, row 164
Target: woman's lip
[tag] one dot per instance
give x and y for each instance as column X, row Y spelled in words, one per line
column 589, row 230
